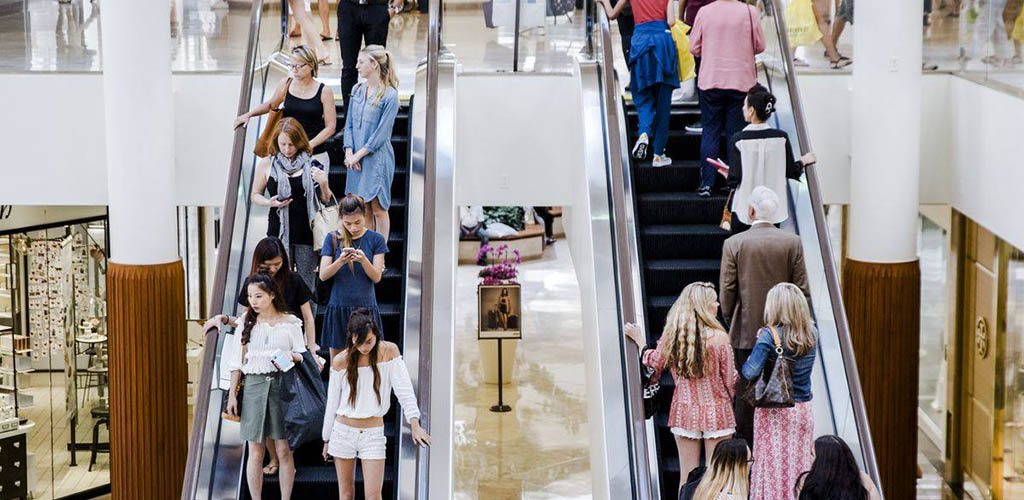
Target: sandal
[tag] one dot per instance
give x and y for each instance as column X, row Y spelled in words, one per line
column 270, row 470
column 800, row 62
column 324, row 38
column 840, row 63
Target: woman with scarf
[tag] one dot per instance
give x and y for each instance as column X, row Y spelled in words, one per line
column 289, row 175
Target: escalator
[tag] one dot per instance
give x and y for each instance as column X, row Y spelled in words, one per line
column 216, row 459
column 666, row 237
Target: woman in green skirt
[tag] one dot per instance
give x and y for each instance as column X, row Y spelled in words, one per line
column 269, row 336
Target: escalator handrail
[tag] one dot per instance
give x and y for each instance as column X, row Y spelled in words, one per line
column 211, row 336
column 627, row 264
column 825, row 244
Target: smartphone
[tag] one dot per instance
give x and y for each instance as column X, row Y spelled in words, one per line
column 348, row 250
column 279, row 198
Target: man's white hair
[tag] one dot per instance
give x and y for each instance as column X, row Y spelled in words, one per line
column 765, row 202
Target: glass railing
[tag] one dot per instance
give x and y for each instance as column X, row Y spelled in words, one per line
column 215, row 448
column 838, row 405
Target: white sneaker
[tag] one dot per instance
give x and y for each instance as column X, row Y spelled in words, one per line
column 640, row 148
column 661, row 161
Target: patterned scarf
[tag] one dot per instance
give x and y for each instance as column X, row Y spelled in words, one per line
column 281, row 169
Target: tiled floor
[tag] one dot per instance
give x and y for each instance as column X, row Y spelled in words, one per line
column 540, row 448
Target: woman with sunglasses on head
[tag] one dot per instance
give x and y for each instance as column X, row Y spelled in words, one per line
column 305, row 99
column 695, row 347
column 363, row 376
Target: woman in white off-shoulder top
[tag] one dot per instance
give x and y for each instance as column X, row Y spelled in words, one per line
column 358, row 396
column 266, row 332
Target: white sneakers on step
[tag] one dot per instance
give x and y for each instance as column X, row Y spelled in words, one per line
column 661, row 161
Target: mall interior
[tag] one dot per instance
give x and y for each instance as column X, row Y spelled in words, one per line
column 524, row 224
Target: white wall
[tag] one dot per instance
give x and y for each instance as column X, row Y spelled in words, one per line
column 519, row 138
column 971, row 147
column 826, row 100
column 55, row 146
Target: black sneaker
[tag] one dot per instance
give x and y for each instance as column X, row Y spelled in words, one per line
column 704, row 191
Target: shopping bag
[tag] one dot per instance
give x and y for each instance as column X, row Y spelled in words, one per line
column 1018, row 28
column 687, row 65
column 305, row 402
column 801, row 25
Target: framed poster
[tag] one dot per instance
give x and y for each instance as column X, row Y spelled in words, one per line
column 500, row 312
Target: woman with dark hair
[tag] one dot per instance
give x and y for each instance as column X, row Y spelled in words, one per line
column 834, row 475
column 363, row 376
column 292, row 179
column 268, row 331
column 354, row 257
column 760, row 155
column 728, row 477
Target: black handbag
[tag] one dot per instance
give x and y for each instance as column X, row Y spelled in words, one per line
column 776, row 389
column 652, row 386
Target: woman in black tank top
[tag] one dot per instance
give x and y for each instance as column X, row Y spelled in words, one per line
column 315, row 113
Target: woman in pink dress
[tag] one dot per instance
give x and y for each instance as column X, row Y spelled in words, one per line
column 695, row 347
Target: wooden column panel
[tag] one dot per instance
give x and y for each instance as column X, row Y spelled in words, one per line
column 883, row 304
column 148, row 380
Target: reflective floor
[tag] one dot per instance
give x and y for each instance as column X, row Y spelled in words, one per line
column 540, row 448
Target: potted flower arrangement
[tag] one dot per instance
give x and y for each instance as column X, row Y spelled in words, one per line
column 501, row 269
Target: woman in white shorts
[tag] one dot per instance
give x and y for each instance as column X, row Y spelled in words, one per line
column 358, row 396
column 696, row 349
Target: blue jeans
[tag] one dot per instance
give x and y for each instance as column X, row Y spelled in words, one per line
column 721, row 111
column 654, row 108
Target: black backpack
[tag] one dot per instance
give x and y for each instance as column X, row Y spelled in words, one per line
column 651, row 387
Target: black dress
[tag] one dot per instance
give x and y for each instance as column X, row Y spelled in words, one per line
column 309, row 113
column 299, row 231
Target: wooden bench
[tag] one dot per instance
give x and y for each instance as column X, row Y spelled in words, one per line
column 529, row 242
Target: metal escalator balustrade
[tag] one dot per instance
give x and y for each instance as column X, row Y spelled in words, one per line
column 675, row 239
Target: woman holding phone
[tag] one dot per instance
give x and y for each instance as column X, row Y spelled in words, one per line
column 354, row 257
column 268, row 333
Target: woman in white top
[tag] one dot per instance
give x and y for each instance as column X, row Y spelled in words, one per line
column 267, row 331
column 760, row 155
column 358, row 396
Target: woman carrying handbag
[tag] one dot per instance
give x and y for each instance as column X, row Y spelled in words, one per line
column 781, row 363
column 292, row 178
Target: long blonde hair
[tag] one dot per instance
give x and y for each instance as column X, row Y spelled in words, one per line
column 786, row 306
column 728, row 473
column 386, row 67
column 688, row 323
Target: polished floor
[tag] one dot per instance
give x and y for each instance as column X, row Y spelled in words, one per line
column 539, row 449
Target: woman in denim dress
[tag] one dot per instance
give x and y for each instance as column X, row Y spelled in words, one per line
column 369, row 156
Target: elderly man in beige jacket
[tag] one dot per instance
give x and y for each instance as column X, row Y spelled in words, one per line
column 752, row 263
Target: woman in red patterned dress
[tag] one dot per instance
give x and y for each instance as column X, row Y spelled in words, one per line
column 695, row 347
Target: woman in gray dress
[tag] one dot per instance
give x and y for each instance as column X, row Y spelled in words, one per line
column 369, row 156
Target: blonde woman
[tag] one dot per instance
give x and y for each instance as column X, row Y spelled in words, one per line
column 728, row 477
column 783, row 437
column 695, row 347
column 306, row 99
column 370, row 116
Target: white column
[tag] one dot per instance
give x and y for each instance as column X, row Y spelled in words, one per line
column 139, row 121
column 886, row 131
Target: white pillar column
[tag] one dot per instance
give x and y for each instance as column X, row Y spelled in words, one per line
column 886, row 131
column 139, row 121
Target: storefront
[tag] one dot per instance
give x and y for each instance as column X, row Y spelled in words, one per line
column 54, row 407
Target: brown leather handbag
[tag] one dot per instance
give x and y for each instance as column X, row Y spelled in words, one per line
column 775, row 390
column 726, row 222
column 262, row 148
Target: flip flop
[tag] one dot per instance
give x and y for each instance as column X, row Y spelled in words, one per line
column 840, row 63
column 270, row 470
column 324, row 38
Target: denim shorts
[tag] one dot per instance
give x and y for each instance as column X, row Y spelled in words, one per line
column 352, row 442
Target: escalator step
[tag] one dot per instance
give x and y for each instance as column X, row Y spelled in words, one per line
column 679, row 208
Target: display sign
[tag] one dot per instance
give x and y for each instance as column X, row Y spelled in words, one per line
column 500, row 312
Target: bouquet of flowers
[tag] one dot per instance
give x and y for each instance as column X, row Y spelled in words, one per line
column 501, row 268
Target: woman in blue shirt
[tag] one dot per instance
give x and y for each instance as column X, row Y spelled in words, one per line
column 783, row 437
column 354, row 257
column 370, row 116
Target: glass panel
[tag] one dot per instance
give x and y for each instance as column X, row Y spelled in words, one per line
column 482, row 36
column 933, row 252
column 1013, row 437
column 832, row 397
